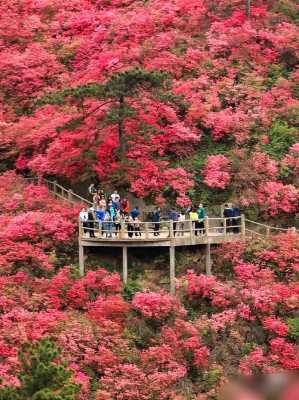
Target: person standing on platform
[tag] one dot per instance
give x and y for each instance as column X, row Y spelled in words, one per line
column 115, row 197
column 91, row 219
column 135, row 212
column 156, row 218
column 137, row 223
column 92, row 189
column 102, row 202
column 84, row 219
column 174, row 217
column 124, row 206
column 130, row 226
column 201, row 218
column 236, row 219
column 228, row 214
column 194, row 218
column 182, row 219
column 117, row 222
column 108, row 224
column 100, row 216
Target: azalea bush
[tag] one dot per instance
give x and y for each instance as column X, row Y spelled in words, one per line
column 130, row 93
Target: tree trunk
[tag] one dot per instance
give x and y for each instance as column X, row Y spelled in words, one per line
column 121, row 130
column 248, row 8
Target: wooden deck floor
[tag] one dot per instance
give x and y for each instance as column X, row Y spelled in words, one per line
column 163, row 240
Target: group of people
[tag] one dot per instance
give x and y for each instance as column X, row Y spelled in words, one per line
column 109, row 213
column 196, row 215
column 232, row 216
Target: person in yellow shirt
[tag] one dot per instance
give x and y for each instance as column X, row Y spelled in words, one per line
column 194, row 218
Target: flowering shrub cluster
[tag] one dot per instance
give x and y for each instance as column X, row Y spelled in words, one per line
column 216, row 172
column 156, row 345
column 229, row 111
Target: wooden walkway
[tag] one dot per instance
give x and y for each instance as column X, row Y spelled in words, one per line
column 171, row 235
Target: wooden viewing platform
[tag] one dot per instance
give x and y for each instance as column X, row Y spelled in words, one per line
column 216, row 231
column 171, row 235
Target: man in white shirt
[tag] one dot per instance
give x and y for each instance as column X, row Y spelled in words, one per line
column 182, row 219
column 84, row 218
column 115, row 197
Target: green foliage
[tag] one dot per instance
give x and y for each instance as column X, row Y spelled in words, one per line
column 281, row 137
column 130, row 289
column 211, row 378
column 276, row 71
column 140, row 334
column 288, row 8
column 248, row 347
column 293, row 324
column 41, row 377
column 122, row 84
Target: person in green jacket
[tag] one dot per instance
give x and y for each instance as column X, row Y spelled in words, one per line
column 201, row 217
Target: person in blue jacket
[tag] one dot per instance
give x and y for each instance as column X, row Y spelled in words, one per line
column 135, row 212
column 228, row 214
column 236, row 221
column 100, row 216
column 174, row 216
column 156, row 218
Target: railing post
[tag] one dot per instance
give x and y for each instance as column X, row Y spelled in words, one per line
column 70, row 195
column 172, row 268
column 80, row 228
column 206, row 225
column 146, row 230
column 224, row 226
column 81, row 259
column 243, row 226
column 267, row 231
column 191, row 231
column 208, row 259
column 171, row 233
column 54, row 187
column 125, row 265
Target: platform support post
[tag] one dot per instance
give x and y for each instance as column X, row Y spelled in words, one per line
column 172, row 268
column 81, row 259
column 208, row 259
column 125, row 265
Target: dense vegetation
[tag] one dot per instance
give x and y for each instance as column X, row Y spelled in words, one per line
column 89, row 338
column 171, row 100
column 175, row 101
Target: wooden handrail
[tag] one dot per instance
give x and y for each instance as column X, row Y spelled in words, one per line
column 70, row 196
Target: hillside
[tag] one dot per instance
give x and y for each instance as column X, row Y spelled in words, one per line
column 222, row 125
column 176, row 103
column 124, row 344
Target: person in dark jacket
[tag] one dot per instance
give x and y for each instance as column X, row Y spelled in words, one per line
column 228, row 214
column 174, row 216
column 201, row 212
column 236, row 220
column 91, row 219
column 135, row 212
column 156, row 220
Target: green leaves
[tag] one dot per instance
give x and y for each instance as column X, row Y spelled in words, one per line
column 122, row 84
column 41, row 376
column 281, row 137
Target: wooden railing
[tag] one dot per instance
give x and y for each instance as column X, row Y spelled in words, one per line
column 60, row 192
column 257, row 229
column 212, row 227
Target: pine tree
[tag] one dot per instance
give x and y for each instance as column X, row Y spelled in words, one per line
column 41, row 376
column 116, row 90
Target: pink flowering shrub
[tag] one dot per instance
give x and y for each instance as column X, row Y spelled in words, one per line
column 157, row 306
column 216, row 172
column 275, row 197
